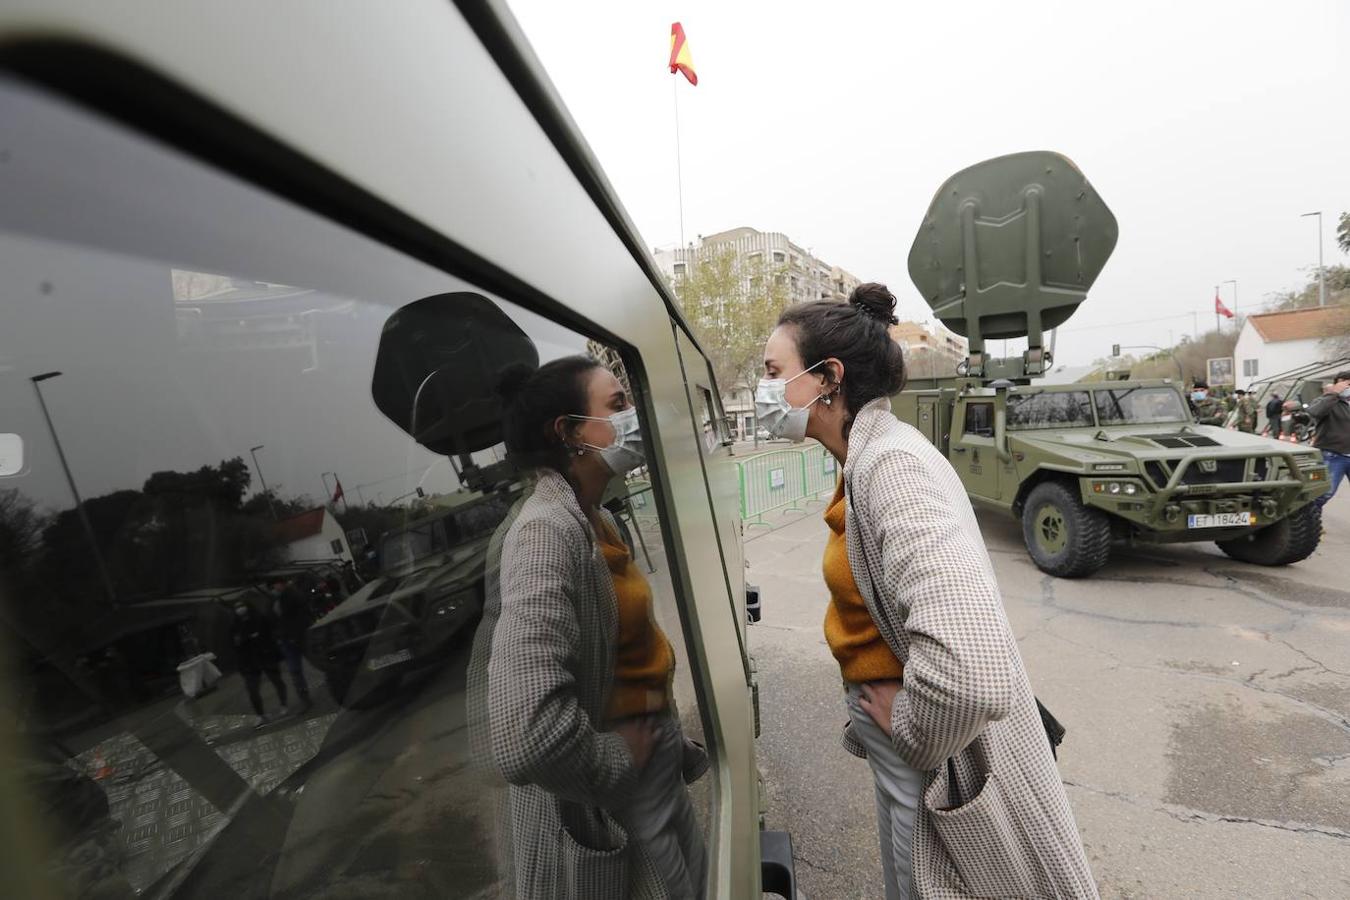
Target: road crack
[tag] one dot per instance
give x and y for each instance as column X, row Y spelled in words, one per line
column 1191, row 816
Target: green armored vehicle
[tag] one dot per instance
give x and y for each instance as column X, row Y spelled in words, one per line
column 1082, row 465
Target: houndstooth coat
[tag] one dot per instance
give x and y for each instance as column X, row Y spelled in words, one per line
column 965, row 693
column 539, row 680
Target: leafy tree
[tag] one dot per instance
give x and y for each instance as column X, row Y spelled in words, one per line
column 182, row 530
column 1343, row 233
column 285, row 507
column 732, row 303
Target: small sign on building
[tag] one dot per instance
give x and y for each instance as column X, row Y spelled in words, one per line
column 1220, row 372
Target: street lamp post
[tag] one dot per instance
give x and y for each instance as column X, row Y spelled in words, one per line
column 1321, row 272
column 75, row 492
column 253, row 452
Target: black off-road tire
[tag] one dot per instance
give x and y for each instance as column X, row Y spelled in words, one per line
column 1065, row 538
column 1290, row 540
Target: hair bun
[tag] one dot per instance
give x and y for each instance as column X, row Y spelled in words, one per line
column 875, row 301
column 513, row 381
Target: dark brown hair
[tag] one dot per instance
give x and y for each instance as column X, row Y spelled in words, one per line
column 855, row 333
column 534, row 399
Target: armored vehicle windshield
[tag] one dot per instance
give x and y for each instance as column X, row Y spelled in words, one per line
column 1139, row 406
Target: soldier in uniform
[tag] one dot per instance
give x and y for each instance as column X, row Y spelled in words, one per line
column 1247, row 415
column 1208, row 410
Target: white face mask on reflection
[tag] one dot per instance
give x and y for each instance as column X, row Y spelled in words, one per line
column 779, row 417
column 625, row 454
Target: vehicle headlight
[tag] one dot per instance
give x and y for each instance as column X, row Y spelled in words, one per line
column 1114, row 487
column 1131, row 489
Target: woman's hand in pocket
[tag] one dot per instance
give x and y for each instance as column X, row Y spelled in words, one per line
column 640, row 735
column 878, row 697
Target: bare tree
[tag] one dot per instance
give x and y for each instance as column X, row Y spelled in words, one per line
column 21, row 525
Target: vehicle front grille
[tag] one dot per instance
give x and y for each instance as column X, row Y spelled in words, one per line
column 1226, row 471
column 348, row 628
column 1156, row 473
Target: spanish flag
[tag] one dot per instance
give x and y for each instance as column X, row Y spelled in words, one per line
column 680, row 59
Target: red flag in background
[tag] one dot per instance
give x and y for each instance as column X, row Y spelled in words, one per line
column 680, row 58
column 337, row 491
column 1220, row 309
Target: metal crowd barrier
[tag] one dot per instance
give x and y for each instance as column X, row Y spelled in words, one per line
column 782, row 480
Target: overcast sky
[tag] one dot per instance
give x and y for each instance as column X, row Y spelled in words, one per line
column 1207, row 128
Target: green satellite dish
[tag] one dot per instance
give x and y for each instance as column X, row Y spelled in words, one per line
column 1010, row 246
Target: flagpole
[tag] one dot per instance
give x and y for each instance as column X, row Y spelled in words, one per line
column 1217, row 327
column 679, row 166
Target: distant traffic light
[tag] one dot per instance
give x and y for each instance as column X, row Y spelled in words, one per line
column 1115, row 349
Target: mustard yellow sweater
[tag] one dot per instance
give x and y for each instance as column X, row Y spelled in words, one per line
column 643, row 661
column 849, row 630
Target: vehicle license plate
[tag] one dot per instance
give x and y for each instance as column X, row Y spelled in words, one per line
column 375, row 663
column 1219, row 520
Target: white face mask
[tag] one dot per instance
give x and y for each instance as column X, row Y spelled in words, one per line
column 779, row 417
column 625, row 454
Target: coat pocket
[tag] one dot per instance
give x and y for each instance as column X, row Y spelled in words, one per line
column 585, row 872
column 983, row 841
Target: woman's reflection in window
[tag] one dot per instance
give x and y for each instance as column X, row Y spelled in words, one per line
column 578, row 716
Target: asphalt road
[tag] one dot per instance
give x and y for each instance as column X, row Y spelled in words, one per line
column 1207, row 703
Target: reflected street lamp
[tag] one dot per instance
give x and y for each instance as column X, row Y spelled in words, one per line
column 70, row 479
column 253, row 452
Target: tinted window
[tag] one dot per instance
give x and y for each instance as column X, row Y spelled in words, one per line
column 220, row 697
column 1139, row 406
column 1049, row 410
column 979, row 419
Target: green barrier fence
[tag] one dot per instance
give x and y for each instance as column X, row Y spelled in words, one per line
column 782, row 480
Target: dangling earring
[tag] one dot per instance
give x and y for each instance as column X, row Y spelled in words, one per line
column 827, row 399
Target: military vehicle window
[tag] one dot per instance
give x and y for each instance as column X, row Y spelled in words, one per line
column 213, row 693
column 1139, row 406
column 1050, row 409
column 979, row 420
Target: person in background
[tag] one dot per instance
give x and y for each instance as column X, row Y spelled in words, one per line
column 1331, row 412
column 255, row 648
column 1208, row 410
column 1246, row 407
column 293, row 621
column 1273, row 408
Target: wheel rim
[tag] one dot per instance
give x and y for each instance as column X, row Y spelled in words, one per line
column 1050, row 529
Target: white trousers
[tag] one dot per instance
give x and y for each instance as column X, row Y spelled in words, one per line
column 898, row 788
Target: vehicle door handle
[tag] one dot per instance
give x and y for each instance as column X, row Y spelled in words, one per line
column 958, row 449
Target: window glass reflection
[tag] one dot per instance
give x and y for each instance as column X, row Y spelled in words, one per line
column 241, row 664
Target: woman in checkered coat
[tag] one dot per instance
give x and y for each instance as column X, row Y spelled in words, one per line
column 969, row 802
column 576, row 713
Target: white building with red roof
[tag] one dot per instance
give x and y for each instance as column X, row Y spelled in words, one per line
column 1272, row 343
column 312, row 536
